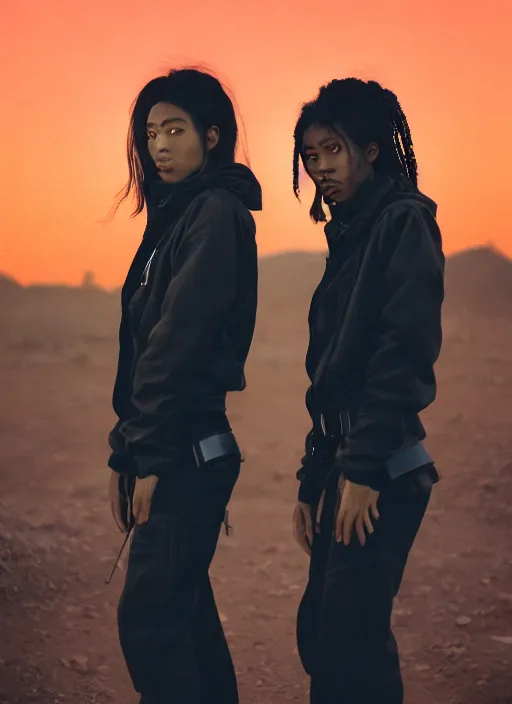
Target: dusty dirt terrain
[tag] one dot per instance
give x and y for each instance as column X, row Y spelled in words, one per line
column 453, row 617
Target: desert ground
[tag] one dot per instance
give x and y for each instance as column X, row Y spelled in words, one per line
column 453, row 616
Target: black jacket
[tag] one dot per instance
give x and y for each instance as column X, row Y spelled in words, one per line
column 375, row 332
column 188, row 315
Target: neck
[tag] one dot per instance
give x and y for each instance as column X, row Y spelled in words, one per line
column 346, row 210
column 163, row 192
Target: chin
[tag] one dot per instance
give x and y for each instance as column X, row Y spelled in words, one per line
column 170, row 177
column 334, row 201
column 341, row 198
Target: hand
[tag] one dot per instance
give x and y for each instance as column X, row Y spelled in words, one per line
column 115, row 500
column 142, row 498
column 357, row 503
column 303, row 526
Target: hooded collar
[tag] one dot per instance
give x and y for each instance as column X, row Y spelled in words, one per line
column 367, row 198
column 166, row 202
column 362, row 204
column 235, row 178
column 346, row 211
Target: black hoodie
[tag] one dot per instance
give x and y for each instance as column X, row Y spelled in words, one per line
column 375, row 333
column 188, row 315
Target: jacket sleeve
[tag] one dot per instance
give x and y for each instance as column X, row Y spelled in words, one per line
column 400, row 378
column 120, row 460
column 170, row 374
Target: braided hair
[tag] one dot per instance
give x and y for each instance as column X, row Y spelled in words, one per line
column 366, row 112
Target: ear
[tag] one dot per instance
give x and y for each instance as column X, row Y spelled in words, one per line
column 372, row 152
column 212, row 138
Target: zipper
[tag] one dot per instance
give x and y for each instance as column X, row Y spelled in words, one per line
column 328, row 277
column 145, row 273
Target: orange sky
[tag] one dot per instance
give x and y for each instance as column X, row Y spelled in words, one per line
column 70, row 71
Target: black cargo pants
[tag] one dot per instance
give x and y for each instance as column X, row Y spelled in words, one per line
column 344, row 632
column 169, row 627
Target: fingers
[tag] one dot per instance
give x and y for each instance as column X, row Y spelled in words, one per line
column 300, row 539
column 115, row 507
column 357, row 511
column 142, row 496
column 138, row 506
column 344, row 520
column 360, row 523
column 296, row 524
column 338, row 525
column 374, row 510
column 304, row 545
column 348, row 524
column 368, row 523
column 115, row 501
column 319, row 512
column 141, row 510
column 300, row 530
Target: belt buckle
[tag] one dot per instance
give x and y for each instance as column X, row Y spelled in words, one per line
column 344, row 421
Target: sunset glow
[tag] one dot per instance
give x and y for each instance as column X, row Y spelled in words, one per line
column 71, row 71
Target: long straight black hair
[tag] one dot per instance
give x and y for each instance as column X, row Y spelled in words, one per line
column 200, row 94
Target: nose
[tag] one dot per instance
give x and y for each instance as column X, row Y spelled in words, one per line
column 324, row 169
column 160, row 144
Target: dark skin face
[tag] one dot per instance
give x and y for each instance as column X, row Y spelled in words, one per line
column 175, row 144
column 335, row 163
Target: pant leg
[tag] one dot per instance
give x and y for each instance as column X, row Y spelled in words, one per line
column 216, row 670
column 166, row 588
column 308, row 616
column 356, row 660
column 217, row 678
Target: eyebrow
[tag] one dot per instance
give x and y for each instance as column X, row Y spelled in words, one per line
column 322, row 142
column 169, row 121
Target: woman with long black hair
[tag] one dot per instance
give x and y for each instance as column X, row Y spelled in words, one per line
column 375, row 334
column 188, row 314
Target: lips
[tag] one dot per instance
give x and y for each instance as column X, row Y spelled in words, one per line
column 329, row 189
column 163, row 166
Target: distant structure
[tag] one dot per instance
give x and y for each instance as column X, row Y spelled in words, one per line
column 89, row 280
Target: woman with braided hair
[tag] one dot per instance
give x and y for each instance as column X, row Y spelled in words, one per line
column 375, row 335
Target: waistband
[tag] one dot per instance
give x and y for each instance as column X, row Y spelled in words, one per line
column 199, row 424
column 412, row 456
